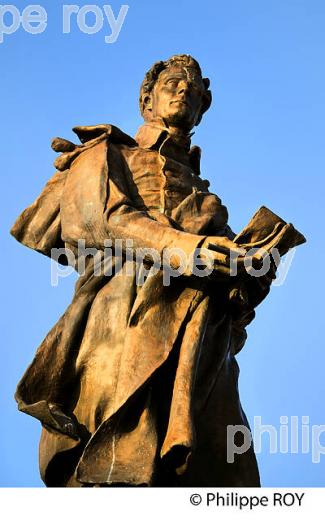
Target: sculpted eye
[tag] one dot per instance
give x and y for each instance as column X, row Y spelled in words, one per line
column 172, row 82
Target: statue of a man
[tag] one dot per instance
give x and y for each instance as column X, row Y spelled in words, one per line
column 137, row 381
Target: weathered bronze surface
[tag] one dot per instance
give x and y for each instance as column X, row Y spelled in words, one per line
column 136, row 383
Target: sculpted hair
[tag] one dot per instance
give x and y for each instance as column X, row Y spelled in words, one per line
column 184, row 60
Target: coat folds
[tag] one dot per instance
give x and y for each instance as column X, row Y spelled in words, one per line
column 135, row 384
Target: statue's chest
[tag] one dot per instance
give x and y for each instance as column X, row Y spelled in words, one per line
column 161, row 182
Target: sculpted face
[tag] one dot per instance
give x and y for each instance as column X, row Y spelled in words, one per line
column 177, row 97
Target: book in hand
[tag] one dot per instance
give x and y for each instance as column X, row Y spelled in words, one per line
column 264, row 233
column 267, row 231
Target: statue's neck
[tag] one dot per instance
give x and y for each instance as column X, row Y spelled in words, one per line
column 179, row 135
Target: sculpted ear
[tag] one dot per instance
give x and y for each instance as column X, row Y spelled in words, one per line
column 207, row 100
column 146, row 103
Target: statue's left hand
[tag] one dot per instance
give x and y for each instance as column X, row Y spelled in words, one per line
column 254, row 288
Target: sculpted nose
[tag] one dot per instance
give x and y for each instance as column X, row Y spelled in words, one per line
column 183, row 86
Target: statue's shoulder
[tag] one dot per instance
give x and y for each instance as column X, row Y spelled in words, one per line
column 89, row 137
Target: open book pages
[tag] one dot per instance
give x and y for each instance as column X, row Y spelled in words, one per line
column 266, row 230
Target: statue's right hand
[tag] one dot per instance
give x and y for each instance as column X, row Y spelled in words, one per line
column 223, row 245
column 218, row 252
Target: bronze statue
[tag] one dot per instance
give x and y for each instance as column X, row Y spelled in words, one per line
column 137, row 381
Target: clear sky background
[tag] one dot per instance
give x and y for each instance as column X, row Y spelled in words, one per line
column 263, row 144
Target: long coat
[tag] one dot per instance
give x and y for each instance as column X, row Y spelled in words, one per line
column 135, row 384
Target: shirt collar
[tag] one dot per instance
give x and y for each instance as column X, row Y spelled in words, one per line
column 153, row 133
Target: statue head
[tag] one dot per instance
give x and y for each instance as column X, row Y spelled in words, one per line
column 175, row 91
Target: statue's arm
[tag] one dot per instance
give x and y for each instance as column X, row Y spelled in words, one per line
column 124, row 220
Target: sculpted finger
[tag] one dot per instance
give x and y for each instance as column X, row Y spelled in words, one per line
column 226, row 247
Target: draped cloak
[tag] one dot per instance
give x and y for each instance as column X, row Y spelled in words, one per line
column 136, row 383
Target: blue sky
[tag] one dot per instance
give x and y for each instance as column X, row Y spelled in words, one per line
column 263, row 144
